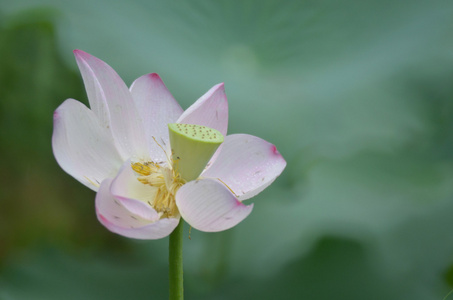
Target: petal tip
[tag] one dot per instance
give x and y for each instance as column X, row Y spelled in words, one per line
column 154, row 76
column 274, row 150
column 239, row 203
column 220, row 86
column 78, row 52
column 81, row 55
column 219, row 90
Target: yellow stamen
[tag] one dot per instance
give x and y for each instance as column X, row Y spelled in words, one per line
column 166, row 181
column 166, row 155
column 141, row 169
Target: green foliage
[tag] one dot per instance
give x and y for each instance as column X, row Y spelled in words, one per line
column 39, row 202
column 363, row 210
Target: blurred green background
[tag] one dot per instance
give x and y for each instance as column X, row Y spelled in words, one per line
column 357, row 96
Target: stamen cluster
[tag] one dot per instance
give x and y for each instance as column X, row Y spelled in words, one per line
column 166, row 181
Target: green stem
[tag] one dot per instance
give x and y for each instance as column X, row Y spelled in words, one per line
column 175, row 260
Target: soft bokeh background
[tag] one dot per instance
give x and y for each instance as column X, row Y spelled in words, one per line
column 357, row 96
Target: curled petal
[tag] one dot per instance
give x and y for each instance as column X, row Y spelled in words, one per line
column 82, row 147
column 157, row 108
column 134, row 195
column 112, row 102
column 118, row 219
column 209, row 110
column 208, row 205
column 246, row 164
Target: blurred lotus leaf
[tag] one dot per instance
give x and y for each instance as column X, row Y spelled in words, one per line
column 356, row 95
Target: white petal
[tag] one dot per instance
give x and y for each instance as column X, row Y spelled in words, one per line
column 134, row 195
column 209, row 110
column 112, row 102
column 208, row 205
column 83, row 148
column 246, row 164
column 157, row 108
column 115, row 217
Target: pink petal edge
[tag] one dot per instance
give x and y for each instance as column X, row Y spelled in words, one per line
column 157, row 108
column 207, row 205
column 247, row 164
column 209, row 110
column 133, row 195
column 116, row 218
column 112, row 102
column 81, row 146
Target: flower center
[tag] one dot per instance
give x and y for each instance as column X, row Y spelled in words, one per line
column 166, row 183
column 192, row 146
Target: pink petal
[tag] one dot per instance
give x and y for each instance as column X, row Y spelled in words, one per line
column 208, row 205
column 157, row 108
column 82, row 147
column 210, row 110
column 116, row 218
column 112, row 102
column 246, row 164
column 134, row 195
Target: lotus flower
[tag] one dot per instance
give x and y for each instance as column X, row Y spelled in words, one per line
column 121, row 148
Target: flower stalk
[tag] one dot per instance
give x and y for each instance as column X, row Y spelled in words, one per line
column 176, row 263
